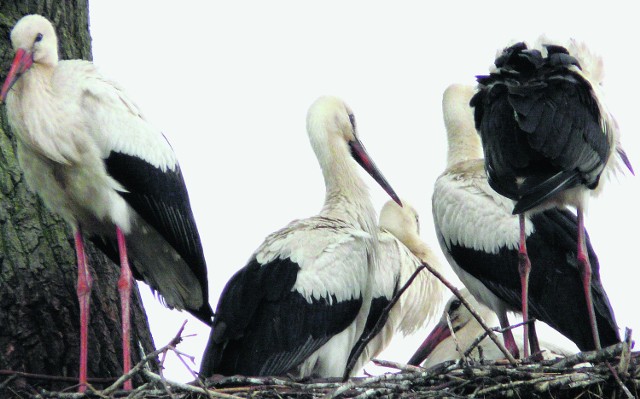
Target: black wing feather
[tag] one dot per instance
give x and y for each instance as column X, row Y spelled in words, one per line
column 555, row 286
column 161, row 199
column 263, row 327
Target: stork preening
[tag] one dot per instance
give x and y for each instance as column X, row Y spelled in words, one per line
column 441, row 346
column 302, row 300
column 548, row 139
column 479, row 236
column 401, row 253
column 92, row 157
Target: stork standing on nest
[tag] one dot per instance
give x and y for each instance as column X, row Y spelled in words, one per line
column 86, row 149
column 479, row 236
column 548, row 139
column 302, row 300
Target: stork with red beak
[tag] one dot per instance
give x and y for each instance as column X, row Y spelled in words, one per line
column 86, row 149
column 458, row 329
column 301, row 302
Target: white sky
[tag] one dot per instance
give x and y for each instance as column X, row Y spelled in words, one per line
column 230, row 84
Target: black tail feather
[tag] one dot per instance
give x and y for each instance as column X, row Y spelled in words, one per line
column 534, row 195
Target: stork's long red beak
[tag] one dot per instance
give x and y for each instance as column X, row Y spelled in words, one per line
column 359, row 153
column 21, row 62
column 439, row 333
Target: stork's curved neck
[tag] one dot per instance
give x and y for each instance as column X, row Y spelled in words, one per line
column 463, row 140
column 347, row 196
column 462, row 137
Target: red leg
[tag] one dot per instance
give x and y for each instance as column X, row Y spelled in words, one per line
column 585, row 270
column 524, row 267
column 83, row 289
column 124, row 287
column 509, row 341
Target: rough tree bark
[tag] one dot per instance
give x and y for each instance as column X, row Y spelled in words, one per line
column 39, row 314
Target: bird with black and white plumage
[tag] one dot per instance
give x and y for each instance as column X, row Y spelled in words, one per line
column 302, row 300
column 86, row 149
column 402, row 252
column 442, row 344
column 479, row 236
column 548, row 138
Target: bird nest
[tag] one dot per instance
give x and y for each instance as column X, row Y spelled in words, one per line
column 612, row 372
column 565, row 378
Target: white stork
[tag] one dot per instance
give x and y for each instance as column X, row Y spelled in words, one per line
column 479, row 236
column 402, row 252
column 548, row 138
column 440, row 344
column 86, row 149
column 301, row 302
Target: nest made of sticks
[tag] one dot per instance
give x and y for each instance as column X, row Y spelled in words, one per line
column 612, row 372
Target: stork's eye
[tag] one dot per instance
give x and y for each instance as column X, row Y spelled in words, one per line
column 38, row 37
column 352, row 119
column 454, row 306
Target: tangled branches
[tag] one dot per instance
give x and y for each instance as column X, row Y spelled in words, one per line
column 594, row 374
column 610, row 372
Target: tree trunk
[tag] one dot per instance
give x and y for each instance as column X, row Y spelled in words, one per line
column 39, row 313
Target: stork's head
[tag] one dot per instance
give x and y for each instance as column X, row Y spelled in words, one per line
column 459, row 316
column 333, row 133
column 34, row 41
column 401, row 221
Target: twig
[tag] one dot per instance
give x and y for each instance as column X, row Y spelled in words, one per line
column 362, row 344
column 8, row 380
column 616, row 377
column 475, row 314
column 400, row 366
column 360, row 382
column 591, row 357
column 59, row 378
column 454, row 337
column 537, row 384
column 242, row 380
column 138, row 391
column 135, row 369
column 625, row 356
column 188, row 388
column 371, row 393
column 484, row 334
